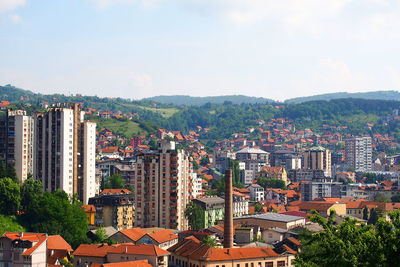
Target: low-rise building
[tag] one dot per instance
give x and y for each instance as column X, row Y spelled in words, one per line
column 32, row 249
column 191, row 252
column 269, row 220
column 256, row 192
column 213, row 208
column 114, row 207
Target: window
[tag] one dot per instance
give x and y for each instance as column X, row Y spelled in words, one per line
column 281, row 263
column 237, row 265
column 252, row 264
column 269, row 264
column 247, row 265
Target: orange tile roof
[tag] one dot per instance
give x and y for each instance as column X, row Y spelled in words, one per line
column 163, row 236
column 94, row 250
column 143, row 249
column 134, row 234
column 89, row 208
column 115, row 191
column 58, row 243
column 138, row 263
column 32, row 237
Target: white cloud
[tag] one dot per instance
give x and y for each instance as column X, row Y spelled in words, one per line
column 16, row 19
column 107, row 3
column 10, row 5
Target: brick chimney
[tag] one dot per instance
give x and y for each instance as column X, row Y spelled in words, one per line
column 228, row 218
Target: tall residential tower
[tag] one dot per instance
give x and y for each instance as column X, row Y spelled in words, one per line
column 358, row 153
column 65, row 148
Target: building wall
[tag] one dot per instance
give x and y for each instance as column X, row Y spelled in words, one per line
column 265, row 224
column 89, row 164
column 153, row 260
column 23, row 150
column 257, row 262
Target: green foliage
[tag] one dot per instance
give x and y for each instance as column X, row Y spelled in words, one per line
column 65, row 263
column 9, row 196
column 195, row 215
column 11, row 173
column 209, row 241
column 395, row 198
column 271, row 183
column 381, row 198
column 153, row 143
column 195, row 165
column 114, row 181
column 10, row 224
column 57, row 214
column 348, row 244
column 234, row 166
column 125, row 128
column 30, row 190
column 258, row 207
column 101, row 236
column 373, row 217
column 365, row 213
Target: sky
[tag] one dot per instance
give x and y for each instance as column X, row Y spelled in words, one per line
column 277, row 49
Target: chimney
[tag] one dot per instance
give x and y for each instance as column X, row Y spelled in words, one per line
column 228, row 218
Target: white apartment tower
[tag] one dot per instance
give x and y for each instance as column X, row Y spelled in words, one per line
column 65, row 150
column 358, row 153
column 16, row 142
column 318, row 158
column 163, row 186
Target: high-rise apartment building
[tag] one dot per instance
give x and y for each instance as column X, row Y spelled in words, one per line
column 318, row 158
column 16, row 140
column 358, row 153
column 162, row 187
column 64, row 151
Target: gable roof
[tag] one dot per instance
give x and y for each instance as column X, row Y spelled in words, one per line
column 143, row 249
column 163, row 236
column 138, row 263
column 94, row 250
column 58, row 243
column 37, row 239
column 134, row 234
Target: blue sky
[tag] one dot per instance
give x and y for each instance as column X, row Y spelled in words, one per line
column 138, row 48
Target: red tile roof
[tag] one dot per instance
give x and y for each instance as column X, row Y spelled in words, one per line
column 94, row 250
column 142, row 249
column 163, row 236
column 115, row 191
column 58, row 243
column 139, row 263
column 37, row 239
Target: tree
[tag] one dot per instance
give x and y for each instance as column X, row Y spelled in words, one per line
column 30, row 190
column 57, row 214
column 395, row 198
column 3, row 171
column 153, row 143
column 195, row 215
column 9, row 196
column 11, row 173
column 101, row 235
column 365, row 213
column 209, row 241
column 114, row 181
column 258, row 207
column 373, row 217
column 271, row 183
column 381, row 198
column 204, row 160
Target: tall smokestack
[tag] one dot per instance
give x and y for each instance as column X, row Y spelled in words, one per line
column 228, row 218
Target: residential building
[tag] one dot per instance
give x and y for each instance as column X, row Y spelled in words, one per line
column 16, row 142
column 269, row 220
column 191, row 252
column 162, row 238
column 323, row 208
column 213, row 208
column 240, row 205
column 254, row 159
column 114, row 207
column 274, row 173
column 162, row 187
column 197, row 185
column 306, row 175
column 127, row 173
column 318, row 158
column 358, row 153
column 32, row 249
column 256, row 192
column 93, row 254
column 311, row 190
column 65, row 151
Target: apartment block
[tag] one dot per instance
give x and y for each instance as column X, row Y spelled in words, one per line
column 64, row 151
column 16, row 142
column 163, row 186
column 318, row 158
column 358, row 153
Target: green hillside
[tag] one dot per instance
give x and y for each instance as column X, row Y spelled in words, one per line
column 198, row 101
column 125, row 128
column 10, row 224
column 378, row 95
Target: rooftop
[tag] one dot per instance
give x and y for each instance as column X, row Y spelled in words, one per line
column 272, row 217
column 251, row 150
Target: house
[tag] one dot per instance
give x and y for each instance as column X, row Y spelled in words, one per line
column 324, row 208
column 32, row 249
column 256, row 192
column 274, row 173
column 281, row 196
column 90, row 212
column 276, row 234
column 191, row 252
column 99, row 254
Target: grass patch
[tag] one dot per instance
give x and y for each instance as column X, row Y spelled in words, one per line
column 10, row 224
column 125, row 128
column 165, row 112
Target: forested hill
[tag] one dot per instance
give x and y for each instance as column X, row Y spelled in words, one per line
column 198, row 101
column 227, row 118
column 381, row 95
